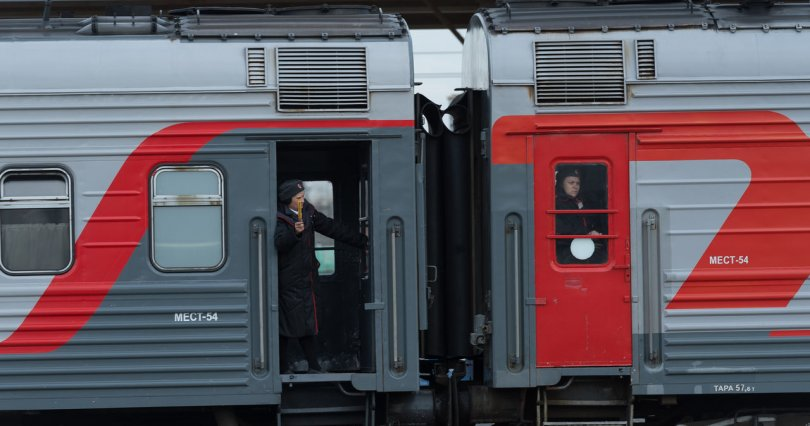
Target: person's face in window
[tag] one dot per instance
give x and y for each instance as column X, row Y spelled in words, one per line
column 298, row 198
column 571, row 186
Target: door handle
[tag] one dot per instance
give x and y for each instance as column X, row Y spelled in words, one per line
column 397, row 363
column 261, row 270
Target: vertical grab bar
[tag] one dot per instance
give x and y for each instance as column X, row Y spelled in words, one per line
column 363, row 222
column 515, row 359
column 652, row 286
column 397, row 359
column 516, row 232
column 260, row 276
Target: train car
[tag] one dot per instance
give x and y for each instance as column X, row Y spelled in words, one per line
column 139, row 163
column 674, row 273
column 608, row 230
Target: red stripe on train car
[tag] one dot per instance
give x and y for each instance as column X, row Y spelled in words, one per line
column 789, row 333
column 104, row 248
column 768, row 224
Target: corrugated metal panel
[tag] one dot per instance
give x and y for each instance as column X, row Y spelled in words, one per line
column 704, row 346
column 354, row 22
column 735, row 356
column 322, row 79
column 142, row 338
column 645, row 59
column 546, row 16
column 761, row 17
column 256, row 66
column 590, row 72
column 291, row 24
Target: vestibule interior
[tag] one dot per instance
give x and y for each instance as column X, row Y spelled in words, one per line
column 336, row 177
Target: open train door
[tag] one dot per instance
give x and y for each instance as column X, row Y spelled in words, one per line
column 582, row 256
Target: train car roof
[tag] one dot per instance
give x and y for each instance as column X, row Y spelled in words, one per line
column 321, row 22
column 778, row 15
column 418, row 13
column 551, row 15
column 307, row 21
column 449, row 14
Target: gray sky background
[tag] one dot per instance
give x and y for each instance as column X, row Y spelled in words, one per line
column 437, row 64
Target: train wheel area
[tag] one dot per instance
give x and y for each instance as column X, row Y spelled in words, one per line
column 183, row 416
column 446, row 404
column 724, row 410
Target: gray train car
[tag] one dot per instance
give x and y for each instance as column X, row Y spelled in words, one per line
column 675, row 270
column 139, row 164
column 610, row 230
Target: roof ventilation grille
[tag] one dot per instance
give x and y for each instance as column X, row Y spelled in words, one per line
column 256, row 68
column 322, row 79
column 645, row 59
column 579, row 72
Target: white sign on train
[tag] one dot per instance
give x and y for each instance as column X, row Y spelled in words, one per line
column 196, row 317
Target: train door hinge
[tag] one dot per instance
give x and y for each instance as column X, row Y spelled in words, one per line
column 484, row 142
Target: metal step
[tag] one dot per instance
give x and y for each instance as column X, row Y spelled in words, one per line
column 593, row 423
column 587, row 401
column 311, row 404
column 322, row 416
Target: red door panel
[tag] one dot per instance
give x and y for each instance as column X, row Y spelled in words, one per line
column 583, row 313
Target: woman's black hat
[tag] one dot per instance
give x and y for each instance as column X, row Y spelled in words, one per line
column 288, row 189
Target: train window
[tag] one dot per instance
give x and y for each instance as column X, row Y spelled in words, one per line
column 187, row 218
column 580, row 192
column 319, row 194
column 35, row 221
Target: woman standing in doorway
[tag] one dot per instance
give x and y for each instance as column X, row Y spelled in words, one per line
column 297, row 222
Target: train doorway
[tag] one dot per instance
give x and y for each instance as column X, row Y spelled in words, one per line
column 582, row 254
column 336, row 180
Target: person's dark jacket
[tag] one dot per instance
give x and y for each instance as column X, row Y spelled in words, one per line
column 298, row 267
column 571, row 224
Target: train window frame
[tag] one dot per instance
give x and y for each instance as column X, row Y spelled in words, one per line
column 320, row 238
column 43, row 201
column 604, row 210
column 174, row 201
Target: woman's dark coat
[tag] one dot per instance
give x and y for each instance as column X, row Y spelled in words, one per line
column 298, row 267
column 572, row 224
